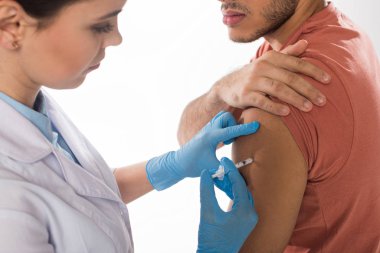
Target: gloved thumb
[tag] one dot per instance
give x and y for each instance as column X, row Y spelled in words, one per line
column 240, row 193
column 209, row 203
column 226, row 119
column 239, row 130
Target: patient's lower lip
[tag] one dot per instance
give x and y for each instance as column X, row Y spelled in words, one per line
column 232, row 20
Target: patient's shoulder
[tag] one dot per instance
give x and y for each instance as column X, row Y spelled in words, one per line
column 253, row 114
column 271, row 146
column 272, row 128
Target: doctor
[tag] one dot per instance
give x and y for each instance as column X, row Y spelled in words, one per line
column 57, row 193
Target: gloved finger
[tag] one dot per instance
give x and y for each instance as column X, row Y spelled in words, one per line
column 216, row 117
column 226, row 120
column 239, row 188
column 250, row 197
column 225, row 186
column 222, row 120
column 236, row 131
column 209, row 204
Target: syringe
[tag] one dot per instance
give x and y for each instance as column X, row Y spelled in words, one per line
column 220, row 172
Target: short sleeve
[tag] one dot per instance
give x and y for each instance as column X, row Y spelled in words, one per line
column 325, row 134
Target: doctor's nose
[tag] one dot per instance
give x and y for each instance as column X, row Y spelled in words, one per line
column 113, row 39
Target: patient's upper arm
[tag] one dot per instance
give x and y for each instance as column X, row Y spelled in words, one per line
column 277, row 180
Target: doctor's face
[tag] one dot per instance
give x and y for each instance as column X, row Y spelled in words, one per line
column 62, row 54
column 248, row 20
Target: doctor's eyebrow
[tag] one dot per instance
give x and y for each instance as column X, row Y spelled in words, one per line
column 110, row 15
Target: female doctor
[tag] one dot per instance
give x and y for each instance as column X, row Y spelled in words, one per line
column 57, row 193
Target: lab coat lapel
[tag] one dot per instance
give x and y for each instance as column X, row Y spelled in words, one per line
column 19, row 138
column 25, row 154
column 89, row 180
column 71, row 135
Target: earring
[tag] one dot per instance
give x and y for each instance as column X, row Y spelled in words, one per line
column 15, row 45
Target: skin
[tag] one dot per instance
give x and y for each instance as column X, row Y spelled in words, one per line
column 276, row 73
column 277, row 178
column 265, row 16
column 273, row 20
column 277, row 184
column 272, row 74
column 60, row 56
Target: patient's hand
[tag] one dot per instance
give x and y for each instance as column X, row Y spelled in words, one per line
column 276, row 74
column 276, row 179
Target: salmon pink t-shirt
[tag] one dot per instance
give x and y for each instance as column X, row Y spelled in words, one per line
column 340, row 211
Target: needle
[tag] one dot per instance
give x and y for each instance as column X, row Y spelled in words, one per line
column 220, row 172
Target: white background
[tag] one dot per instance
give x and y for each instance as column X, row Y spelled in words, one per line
column 173, row 51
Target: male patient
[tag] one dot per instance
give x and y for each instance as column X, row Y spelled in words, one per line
column 316, row 175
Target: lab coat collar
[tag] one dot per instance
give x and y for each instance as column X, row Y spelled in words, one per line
column 22, row 141
column 85, row 183
column 92, row 164
column 72, row 136
column 19, row 138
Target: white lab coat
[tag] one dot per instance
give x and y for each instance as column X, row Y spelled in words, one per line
column 48, row 203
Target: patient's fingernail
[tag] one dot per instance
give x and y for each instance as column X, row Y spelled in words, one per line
column 284, row 111
column 321, row 100
column 326, row 78
column 307, row 106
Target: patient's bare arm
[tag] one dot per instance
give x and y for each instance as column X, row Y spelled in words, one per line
column 277, row 180
column 274, row 73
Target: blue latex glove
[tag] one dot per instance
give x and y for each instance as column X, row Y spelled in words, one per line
column 225, row 184
column 198, row 154
column 219, row 231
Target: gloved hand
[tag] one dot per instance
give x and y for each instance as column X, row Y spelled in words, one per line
column 198, row 154
column 219, row 231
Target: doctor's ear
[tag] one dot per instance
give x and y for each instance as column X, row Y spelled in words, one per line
column 13, row 21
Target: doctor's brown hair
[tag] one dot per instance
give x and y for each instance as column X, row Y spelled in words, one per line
column 44, row 10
